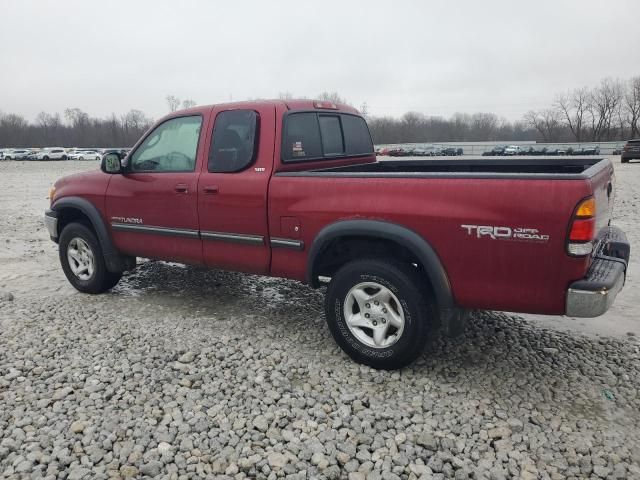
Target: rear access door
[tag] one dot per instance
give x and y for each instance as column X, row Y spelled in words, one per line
column 233, row 186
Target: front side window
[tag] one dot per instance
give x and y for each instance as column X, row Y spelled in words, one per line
column 234, row 141
column 171, row 147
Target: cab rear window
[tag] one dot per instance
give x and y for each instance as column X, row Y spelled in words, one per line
column 314, row 136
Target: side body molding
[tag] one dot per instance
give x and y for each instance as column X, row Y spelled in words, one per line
column 386, row 231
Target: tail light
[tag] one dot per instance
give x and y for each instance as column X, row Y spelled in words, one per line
column 583, row 228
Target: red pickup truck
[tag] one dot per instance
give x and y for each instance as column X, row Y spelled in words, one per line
column 293, row 189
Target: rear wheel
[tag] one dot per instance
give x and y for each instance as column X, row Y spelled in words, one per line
column 82, row 260
column 45, row 158
column 379, row 312
column 624, row 160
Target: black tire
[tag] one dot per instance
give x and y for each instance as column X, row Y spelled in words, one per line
column 64, row 157
column 7, row 158
column 45, row 158
column 624, row 160
column 101, row 279
column 410, row 290
column 80, row 158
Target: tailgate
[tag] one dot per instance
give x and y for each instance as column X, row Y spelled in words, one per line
column 603, row 188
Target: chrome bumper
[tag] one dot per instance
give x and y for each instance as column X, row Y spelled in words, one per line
column 593, row 295
column 51, row 222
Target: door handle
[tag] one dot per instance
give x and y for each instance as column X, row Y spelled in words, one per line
column 181, row 188
column 210, row 190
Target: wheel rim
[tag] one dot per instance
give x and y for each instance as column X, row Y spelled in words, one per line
column 80, row 258
column 374, row 315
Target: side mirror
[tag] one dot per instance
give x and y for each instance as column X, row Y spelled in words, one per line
column 111, row 163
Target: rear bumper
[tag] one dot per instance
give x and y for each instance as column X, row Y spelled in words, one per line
column 593, row 295
column 51, row 222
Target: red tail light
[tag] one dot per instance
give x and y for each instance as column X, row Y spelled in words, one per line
column 583, row 228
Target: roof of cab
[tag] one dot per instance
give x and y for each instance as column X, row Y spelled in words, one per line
column 301, row 104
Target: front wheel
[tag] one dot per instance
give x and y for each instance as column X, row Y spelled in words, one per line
column 379, row 312
column 82, row 260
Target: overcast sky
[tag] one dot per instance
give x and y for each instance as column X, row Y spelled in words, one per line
column 435, row 57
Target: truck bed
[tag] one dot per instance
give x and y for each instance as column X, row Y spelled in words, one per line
column 565, row 168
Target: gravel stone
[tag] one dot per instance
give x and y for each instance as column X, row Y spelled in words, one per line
column 184, row 373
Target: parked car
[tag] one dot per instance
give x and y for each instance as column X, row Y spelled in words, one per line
column 631, row 151
column 405, row 246
column 33, row 155
column 496, row 151
column 52, row 154
column 616, row 151
column 85, row 155
column 589, row 150
column 512, row 150
column 450, row 151
column 16, row 154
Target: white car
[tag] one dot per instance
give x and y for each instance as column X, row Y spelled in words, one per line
column 52, row 154
column 17, row 154
column 85, row 155
column 512, row 150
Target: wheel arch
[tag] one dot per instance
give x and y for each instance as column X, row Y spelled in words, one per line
column 377, row 230
column 69, row 209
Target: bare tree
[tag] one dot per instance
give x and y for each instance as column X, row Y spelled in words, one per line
column 631, row 107
column 603, row 104
column 484, row 126
column 173, row 102
column 76, row 117
column 285, row 96
column 364, row 109
column 188, row 103
column 546, row 122
column 573, row 108
column 332, row 97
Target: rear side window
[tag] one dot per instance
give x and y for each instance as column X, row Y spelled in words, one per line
column 302, row 139
column 234, row 141
column 314, row 136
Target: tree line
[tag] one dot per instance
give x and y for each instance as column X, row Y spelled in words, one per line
column 75, row 128
column 608, row 111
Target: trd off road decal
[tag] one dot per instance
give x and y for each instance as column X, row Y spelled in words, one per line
column 521, row 234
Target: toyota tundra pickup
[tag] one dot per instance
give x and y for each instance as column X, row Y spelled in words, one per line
column 293, row 189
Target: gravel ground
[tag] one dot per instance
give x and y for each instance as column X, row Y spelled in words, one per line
column 185, row 373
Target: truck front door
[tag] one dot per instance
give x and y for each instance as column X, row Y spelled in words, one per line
column 152, row 206
column 232, row 191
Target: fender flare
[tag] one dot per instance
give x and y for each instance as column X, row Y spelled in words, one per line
column 387, row 231
column 88, row 209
